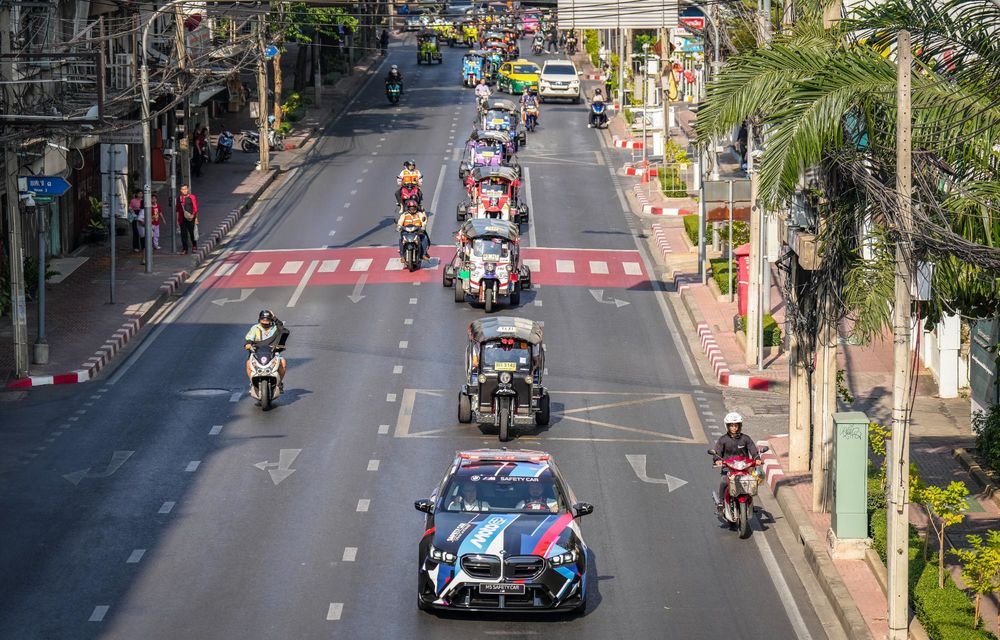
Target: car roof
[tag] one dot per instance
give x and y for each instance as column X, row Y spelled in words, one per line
column 503, row 326
column 561, row 61
column 485, row 227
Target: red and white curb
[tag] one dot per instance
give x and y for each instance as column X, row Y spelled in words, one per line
column 625, row 144
column 665, row 211
column 631, row 170
column 721, row 368
column 640, row 195
column 660, row 238
column 595, row 76
column 771, row 468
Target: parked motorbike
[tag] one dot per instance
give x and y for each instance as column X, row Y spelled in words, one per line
column 264, row 381
column 224, row 148
column 413, row 251
column 392, row 91
column 598, row 115
column 251, row 140
column 530, row 118
column 742, row 479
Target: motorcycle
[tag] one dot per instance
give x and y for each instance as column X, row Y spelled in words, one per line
column 571, row 46
column 413, row 251
column 742, row 479
column 598, row 115
column 264, row 380
column 251, row 140
column 481, row 103
column 392, row 91
column 530, row 118
column 224, row 148
column 537, row 46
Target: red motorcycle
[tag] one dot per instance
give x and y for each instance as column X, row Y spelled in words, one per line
column 742, row 479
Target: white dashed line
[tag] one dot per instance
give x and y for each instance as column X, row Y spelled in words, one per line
column 373, row 465
column 291, row 267
column 99, row 612
column 408, row 321
column 339, row 218
column 383, row 429
column 258, row 268
column 166, row 507
column 88, row 404
column 403, row 344
column 350, row 553
column 328, row 266
column 193, row 466
column 335, row 611
column 135, row 556
column 413, row 301
column 390, row 397
column 538, row 303
column 632, row 268
column 73, row 418
column 332, row 233
column 361, row 264
column 353, row 191
column 565, row 266
column 81, row 411
column 398, row 369
column 363, row 505
column 215, row 430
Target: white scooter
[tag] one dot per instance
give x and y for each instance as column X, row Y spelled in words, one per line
column 265, row 384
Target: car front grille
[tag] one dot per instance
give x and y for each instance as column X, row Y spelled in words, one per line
column 524, row 567
column 481, row 566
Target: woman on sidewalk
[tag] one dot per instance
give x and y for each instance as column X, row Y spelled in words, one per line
column 187, row 218
column 134, row 209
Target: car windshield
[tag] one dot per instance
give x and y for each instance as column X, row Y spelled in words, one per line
column 504, row 487
column 525, row 68
column 490, row 249
column 489, row 190
column 516, row 358
column 560, row 70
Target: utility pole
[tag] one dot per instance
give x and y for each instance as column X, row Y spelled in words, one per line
column 899, row 463
column 41, row 347
column 264, row 146
column 825, row 402
column 15, row 240
column 753, row 292
column 798, row 386
column 183, row 148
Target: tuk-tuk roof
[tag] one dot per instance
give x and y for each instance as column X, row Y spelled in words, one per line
column 492, row 135
column 496, row 327
column 506, row 173
column 501, row 104
column 484, row 228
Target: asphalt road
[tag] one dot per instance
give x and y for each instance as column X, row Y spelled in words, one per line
column 166, row 505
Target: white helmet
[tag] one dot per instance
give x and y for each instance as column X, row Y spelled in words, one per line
column 393, row 68
column 732, row 418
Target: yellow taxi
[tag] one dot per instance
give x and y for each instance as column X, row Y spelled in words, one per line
column 518, row 75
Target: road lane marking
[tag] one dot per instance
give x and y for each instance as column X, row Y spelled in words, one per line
column 350, row 553
column 565, row 266
column 532, row 242
column 390, row 397
column 535, row 265
column 398, row 369
column 360, row 180
column 632, row 268
column 258, row 268
column 329, row 266
column 302, row 284
column 336, row 608
column 373, row 465
column 363, row 505
column 432, row 214
column 383, row 429
column 332, row 233
column 166, row 507
column 290, row 267
column 408, row 321
column 192, row 466
column 361, row 264
column 215, row 430
column 99, row 612
column 225, row 268
column 135, row 556
column 416, row 284
column 347, row 205
column 339, row 218
column 235, row 396
column 394, row 264
column 413, row 301
column 598, row 267
column 784, row 593
column 538, row 303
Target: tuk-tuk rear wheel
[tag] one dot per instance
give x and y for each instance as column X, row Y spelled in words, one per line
column 459, row 290
column 542, row 415
column 515, row 296
column 464, row 408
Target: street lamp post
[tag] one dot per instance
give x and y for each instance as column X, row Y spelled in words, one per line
column 645, row 97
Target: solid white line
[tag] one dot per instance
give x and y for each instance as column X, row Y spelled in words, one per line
column 215, row 430
column 302, row 283
column 335, row 611
column 363, row 505
column 383, row 429
column 373, row 465
column 99, row 612
column 193, row 466
column 784, row 593
column 435, row 199
column 135, row 556
column 532, row 242
column 235, row 397
column 350, row 553
column 166, row 507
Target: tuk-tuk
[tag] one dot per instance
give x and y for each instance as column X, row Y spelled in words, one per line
column 427, row 48
column 495, row 193
column 487, row 263
column 475, row 66
column 446, row 31
column 470, row 34
column 503, row 380
column 511, row 36
column 484, row 149
column 503, row 115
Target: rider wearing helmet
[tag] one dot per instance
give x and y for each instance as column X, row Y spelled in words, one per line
column 483, row 92
column 268, row 328
column 413, row 216
column 529, row 100
column 410, row 176
column 395, row 75
column 733, row 443
column 595, row 120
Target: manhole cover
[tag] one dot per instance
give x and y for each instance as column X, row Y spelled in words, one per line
column 204, row 393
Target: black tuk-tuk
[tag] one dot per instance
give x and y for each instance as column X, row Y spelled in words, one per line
column 504, row 363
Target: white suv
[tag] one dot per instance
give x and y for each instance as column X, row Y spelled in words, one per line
column 559, row 79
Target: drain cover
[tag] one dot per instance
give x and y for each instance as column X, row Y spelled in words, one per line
column 204, row 393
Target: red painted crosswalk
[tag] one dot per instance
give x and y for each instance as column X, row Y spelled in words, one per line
column 560, row 267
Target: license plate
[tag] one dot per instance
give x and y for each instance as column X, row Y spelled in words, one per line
column 501, row 588
column 505, row 366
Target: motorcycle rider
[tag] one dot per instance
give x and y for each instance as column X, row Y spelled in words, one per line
column 395, row 75
column 529, row 100
column 537, row 43
column 483, row 92
column 598, row 98
column 412, row 216
column 267, row 328
column 733, row 443
column 409, row 177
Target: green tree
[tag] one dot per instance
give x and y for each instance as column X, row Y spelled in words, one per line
column 981, row 567
column 944, row 506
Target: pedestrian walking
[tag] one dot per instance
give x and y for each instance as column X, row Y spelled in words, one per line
column 187, row 218
column 155, row 215
column 134, row 207
column 552, row 44
column 200, row 151
column 140, row 226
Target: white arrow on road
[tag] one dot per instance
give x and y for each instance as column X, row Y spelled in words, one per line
column 282, row 468
column 599, row 296
column 244, row 294
column 638, row 462
column 118, row 458
column 358, row 286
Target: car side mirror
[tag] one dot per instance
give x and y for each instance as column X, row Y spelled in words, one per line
column 424, row 505
column 764, row 449
column 581, row 509
column 711, row 452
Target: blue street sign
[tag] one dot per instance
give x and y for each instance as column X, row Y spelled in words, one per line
column 47, row 185
column 270, row 52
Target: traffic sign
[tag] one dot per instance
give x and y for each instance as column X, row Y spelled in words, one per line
column 46, row 185
column 693, row 17
column 270, row 52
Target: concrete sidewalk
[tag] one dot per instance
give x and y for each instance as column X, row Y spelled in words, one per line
column 84, row 329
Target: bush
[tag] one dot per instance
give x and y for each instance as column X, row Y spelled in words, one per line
column 592, row 46
column 877, row 530
column 947, row 614
column 691, row 229
column 772, row 332
column 720, row 273
column 987, row 429
column 671, row 184
column 741, row 233
column 294, row 107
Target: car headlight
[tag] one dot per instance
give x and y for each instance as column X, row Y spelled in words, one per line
column 574, row 83
column 442, row 556
column 482, row 378
column 505, row 377
column 563, row 558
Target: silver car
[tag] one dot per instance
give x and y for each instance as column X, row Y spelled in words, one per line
column 559, row 79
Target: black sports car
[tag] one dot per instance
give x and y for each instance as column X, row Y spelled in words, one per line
column 501, row 533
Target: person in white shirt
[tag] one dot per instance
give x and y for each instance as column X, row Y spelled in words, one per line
column 537, row 501
column 467, row 499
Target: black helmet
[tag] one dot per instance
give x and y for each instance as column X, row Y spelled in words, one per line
column 597, row 91
column 265, row 314
column 410, row 164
